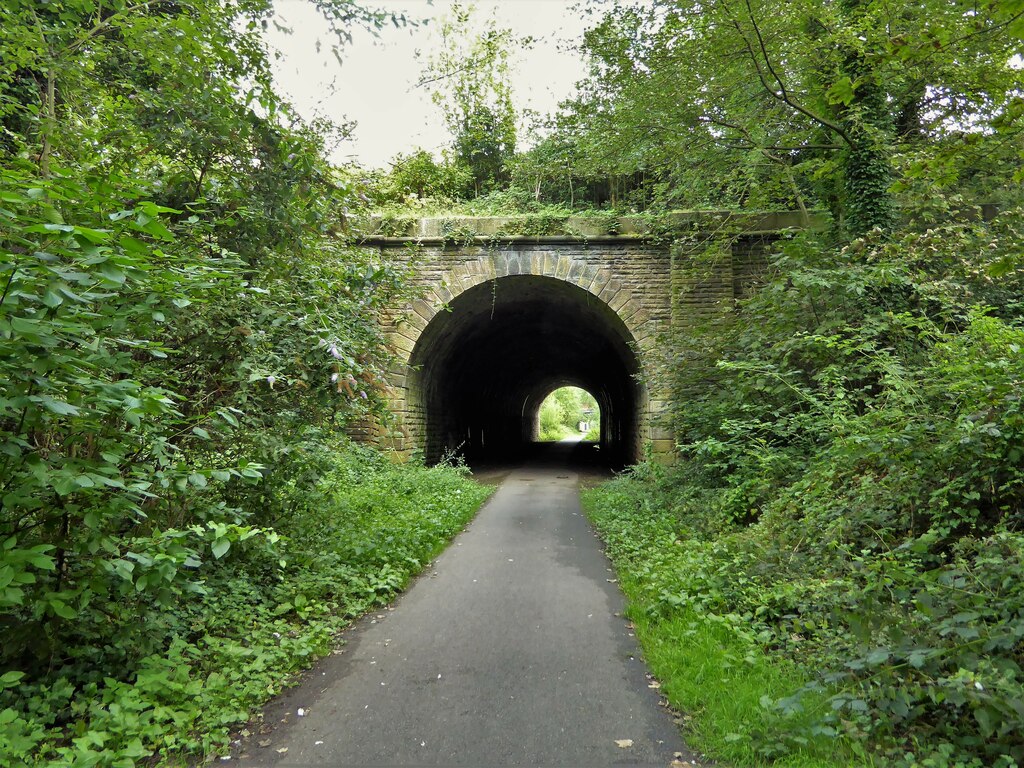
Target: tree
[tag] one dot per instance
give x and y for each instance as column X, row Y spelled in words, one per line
column 757, row 104
column 468, row 79
column 419, row 173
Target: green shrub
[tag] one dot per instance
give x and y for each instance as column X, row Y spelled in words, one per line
column 848, row 498
column 171, row 678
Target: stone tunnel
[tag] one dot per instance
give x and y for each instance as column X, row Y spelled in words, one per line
column 506, row 318
column 482, row 367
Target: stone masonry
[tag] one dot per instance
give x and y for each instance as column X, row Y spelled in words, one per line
column 651, row 282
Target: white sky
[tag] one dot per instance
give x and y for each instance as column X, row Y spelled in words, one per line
column 375, row 83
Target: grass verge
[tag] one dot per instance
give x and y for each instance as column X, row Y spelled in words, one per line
column 709, row 665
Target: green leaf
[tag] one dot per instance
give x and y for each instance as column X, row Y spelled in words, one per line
column 112, row 273
column 57, row 406
column 133, row 244
column 156, row 229
column 152, row 209
column 220, row 548
column 52, row 298
column 53, row 216
column 986, row 722
column 10, row 679
column 94, row 236
column 228, row 417
column 841, row 92
column 62, row 609
column 39, row 559
column 25, row 325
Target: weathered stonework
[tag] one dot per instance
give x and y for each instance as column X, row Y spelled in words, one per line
column 642, row 287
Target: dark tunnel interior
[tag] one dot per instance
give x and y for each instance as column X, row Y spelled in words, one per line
column 481, row 370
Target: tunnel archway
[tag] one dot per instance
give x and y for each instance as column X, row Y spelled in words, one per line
column 480, row 369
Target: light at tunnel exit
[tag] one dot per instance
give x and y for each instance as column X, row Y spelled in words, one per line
column 568, row 413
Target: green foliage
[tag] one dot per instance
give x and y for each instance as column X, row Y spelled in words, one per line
column 849, row 493
column 264, row 606
column 562, row 412
column 552, row 420
column 749, row 104
column 468, row 78
column 677, row 573
column 418, row 179
column 182, row 323
column 174, row 304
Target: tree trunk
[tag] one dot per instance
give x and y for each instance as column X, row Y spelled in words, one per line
column 867, row 165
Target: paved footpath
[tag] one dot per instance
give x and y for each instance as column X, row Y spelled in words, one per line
column 509, row 651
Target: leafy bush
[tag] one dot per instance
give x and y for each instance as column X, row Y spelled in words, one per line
column 182, row 322
column 849, row 495
column 142, row 677
column 693, row 610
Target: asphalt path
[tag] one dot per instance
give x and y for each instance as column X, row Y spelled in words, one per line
column 510, row 650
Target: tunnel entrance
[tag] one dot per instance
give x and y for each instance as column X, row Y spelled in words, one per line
column 480, row 370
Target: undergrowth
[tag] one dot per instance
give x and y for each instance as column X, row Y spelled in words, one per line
column 711, row 662
column 847, row 504
column 266, row 608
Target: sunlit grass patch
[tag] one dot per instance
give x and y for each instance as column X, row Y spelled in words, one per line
column 710, row 668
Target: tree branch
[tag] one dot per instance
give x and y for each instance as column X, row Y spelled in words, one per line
column 100, row 26
column 468, row 66
column 756, row 145
column 782, row 94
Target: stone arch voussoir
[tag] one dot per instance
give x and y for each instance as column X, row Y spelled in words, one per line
column 409, row 323
column 597, row 281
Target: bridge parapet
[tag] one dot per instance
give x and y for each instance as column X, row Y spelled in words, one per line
column 545, row 227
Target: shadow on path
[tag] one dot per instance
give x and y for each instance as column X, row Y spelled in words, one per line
column 583, row 458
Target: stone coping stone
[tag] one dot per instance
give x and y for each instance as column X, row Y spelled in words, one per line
column 538, row 228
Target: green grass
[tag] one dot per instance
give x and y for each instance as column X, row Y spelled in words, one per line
column 556, row 433
column 710, row 669
column 719, row 681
